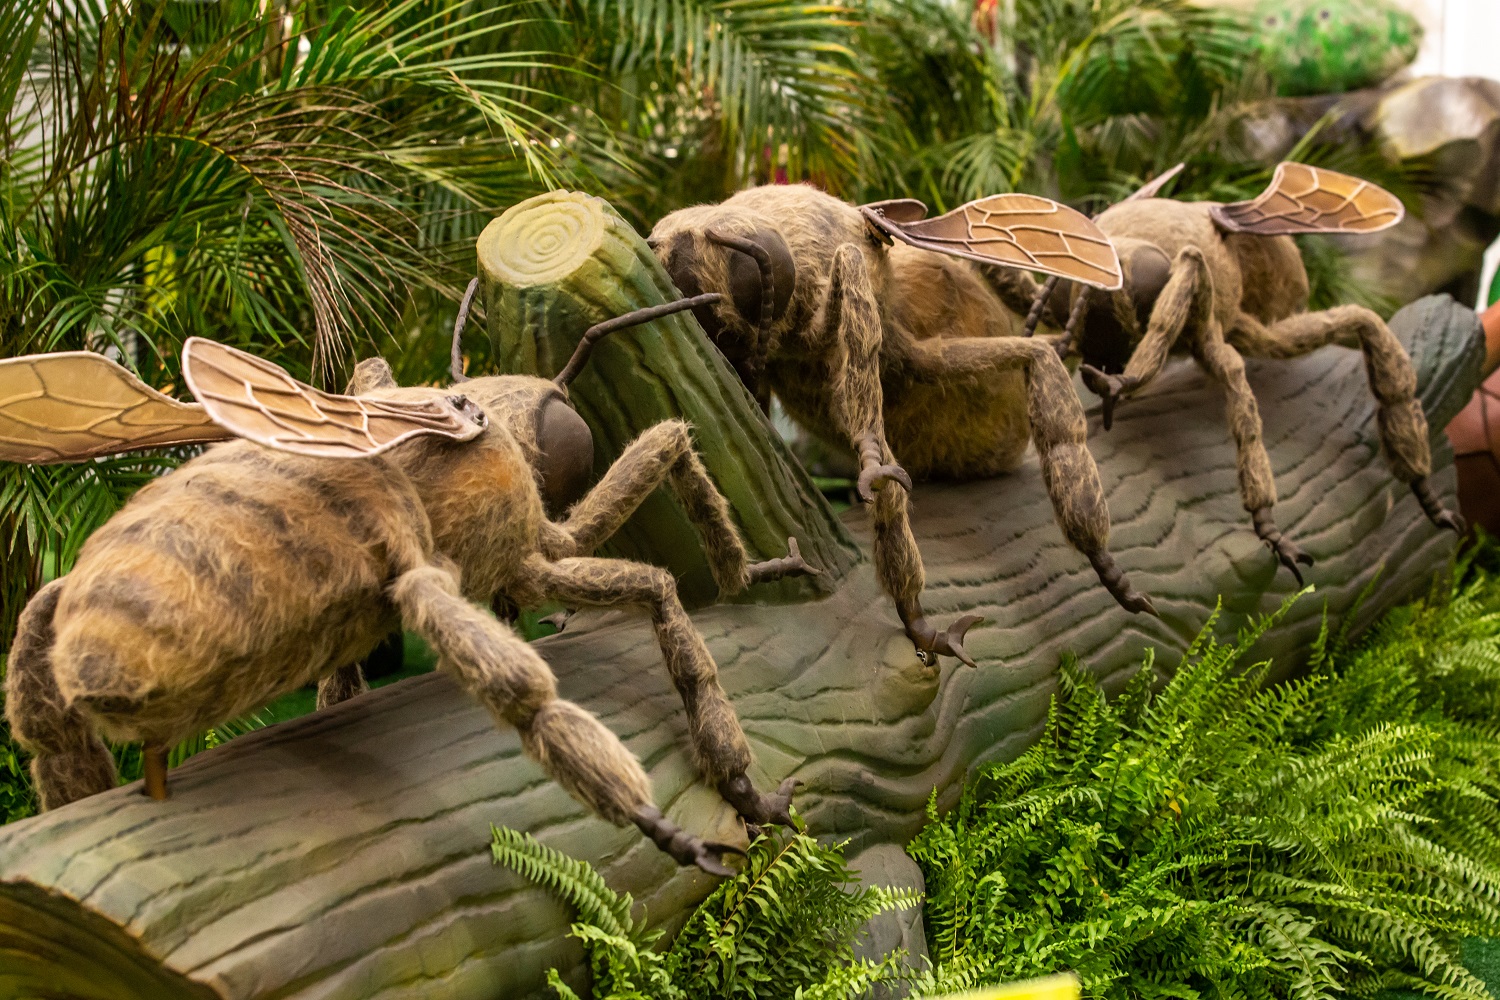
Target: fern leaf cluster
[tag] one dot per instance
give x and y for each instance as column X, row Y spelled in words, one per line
column 783, row 929
column 1331, row 836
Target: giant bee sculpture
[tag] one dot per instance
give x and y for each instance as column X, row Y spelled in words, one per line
column 284, row 557
column 1223, row 282
column 877, row 330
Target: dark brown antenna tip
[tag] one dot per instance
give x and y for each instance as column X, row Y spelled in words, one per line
column 456, row 359
column 634, row 318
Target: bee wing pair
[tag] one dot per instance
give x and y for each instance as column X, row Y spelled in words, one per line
column 77, row 405
column 1038, row 234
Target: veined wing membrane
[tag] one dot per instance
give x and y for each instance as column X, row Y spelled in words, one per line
column 260, row 402
column 1303, row 199
column 1016, row 230
column 76, row 405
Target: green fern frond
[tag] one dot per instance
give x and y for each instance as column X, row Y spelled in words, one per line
column 574, row 883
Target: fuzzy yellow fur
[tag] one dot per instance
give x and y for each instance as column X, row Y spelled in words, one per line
column 249, row 572
column 902, row 356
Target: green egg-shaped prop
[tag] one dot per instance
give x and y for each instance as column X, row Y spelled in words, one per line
column 1330, row 46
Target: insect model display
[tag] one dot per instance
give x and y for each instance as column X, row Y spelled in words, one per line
column 283, row 558
column 1223, row 282
column 899, row 352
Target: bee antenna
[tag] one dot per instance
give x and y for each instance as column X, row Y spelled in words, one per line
column 456, row 360
column 762, row 258
column 634, row 318
column 1040, row 303
column 1075, row 320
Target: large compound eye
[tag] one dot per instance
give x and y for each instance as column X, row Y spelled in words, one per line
column 682, row 265
column 745, row 277
column 567, row 455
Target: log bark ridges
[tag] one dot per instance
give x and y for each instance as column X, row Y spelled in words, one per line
column 554, row 265
column 343, row 856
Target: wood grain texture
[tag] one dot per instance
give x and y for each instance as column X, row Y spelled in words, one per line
column 556, row 264
column 344, row 855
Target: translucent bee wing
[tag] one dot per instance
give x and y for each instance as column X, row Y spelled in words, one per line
column 1303, row 199
column 76, row 405
column 260, row 402
column 1015, row 230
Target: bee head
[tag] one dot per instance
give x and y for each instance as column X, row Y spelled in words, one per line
column 754, row 267
column 556, row 441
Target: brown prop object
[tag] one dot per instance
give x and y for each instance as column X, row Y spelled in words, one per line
column 272, row 562
column 343, row 856
column 904, row 356
column 1226, row 282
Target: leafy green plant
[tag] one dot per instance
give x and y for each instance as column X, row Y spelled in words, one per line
column 1331, row 836
column 783, row 928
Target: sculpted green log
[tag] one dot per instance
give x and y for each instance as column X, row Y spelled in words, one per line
column 555, row 264
column 344, row 855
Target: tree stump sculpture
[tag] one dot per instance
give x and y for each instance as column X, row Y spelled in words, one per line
column 344, row 856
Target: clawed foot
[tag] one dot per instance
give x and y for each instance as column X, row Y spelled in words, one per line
column 683, row 847
column 1434, row 509
column 1118, row 584
column 1109, row 389
column 756, row 808
column 873, row 476
column 791, row 564
column 1286, row 550
column 931, row 643
column 558, row 619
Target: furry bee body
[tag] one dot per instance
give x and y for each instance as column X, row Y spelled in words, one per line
column 248, row 573
column 1201, row 280
column 252, row 571
column 941, row 429
column 896, row 353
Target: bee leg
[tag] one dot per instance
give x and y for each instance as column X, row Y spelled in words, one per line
column 1286, row 550
column 720, row 750
column 154, row 767
column 1393, row 383
column 1109, row 389
column 851, row 317
column 791, row 564
column 1434, row 509
column 1058, row 429
column 1257, row 485
column 1185, row 303
column 68, row 760
column 663, row 453
column 344, row 683
column 508, row 677
column 681, row 846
